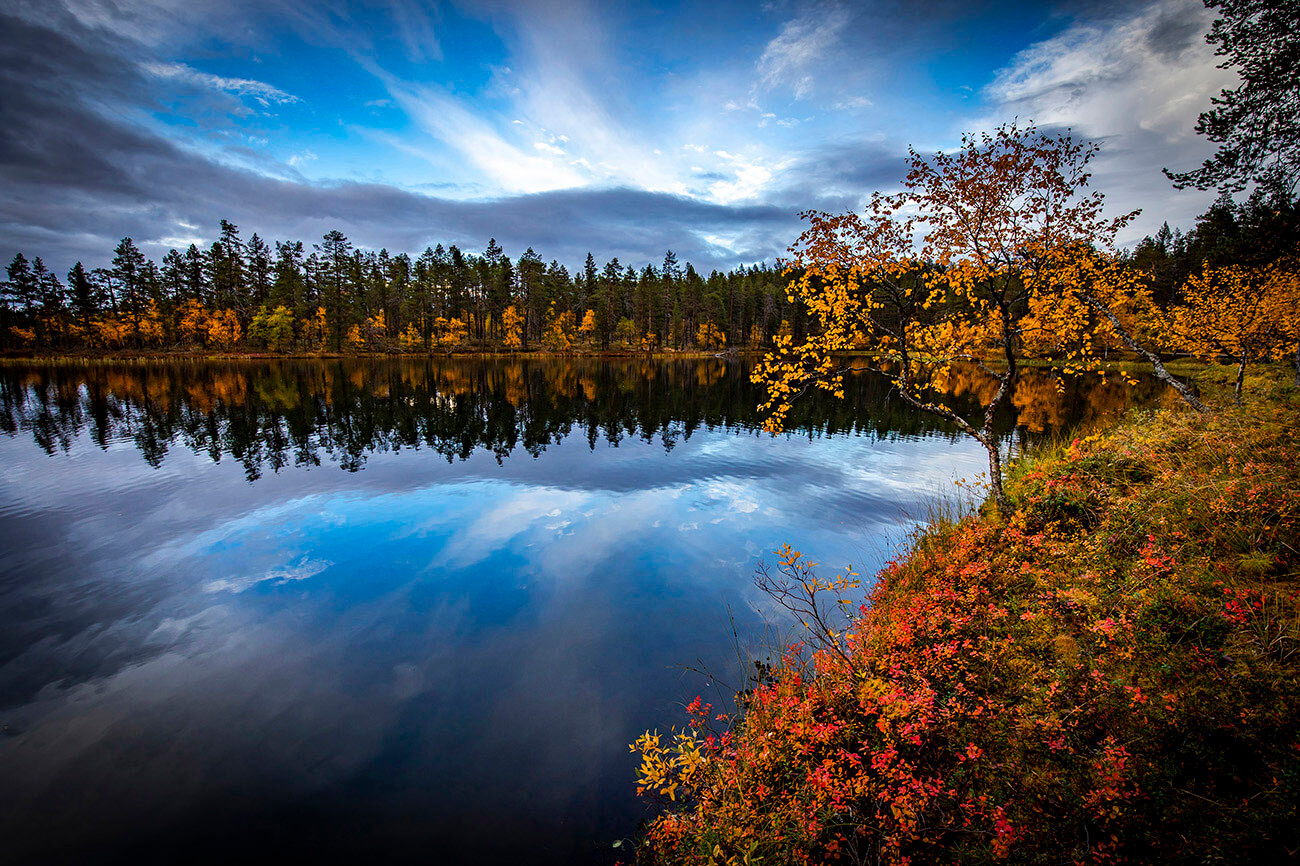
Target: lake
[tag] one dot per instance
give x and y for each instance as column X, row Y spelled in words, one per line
column 409, row 609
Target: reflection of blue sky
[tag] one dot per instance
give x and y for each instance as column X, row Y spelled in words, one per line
column 444, row 639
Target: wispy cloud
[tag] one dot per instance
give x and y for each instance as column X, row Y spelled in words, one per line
column 258, row 91
column 1151, row 70
column 789, row 59
column 512, row 167
column 301, row 570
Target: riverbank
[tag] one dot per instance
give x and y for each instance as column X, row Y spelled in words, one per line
column 1110, row 673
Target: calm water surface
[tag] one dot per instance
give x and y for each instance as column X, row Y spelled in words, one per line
column 405, row 610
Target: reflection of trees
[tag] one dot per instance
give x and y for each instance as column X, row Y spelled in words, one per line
column 281, row 413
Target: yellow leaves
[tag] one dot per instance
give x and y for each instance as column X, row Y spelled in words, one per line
column 194, row 322
column 1239, row 311
column 314, row 330
column 512, row 324
column 710, row 336
column 409, row 339
column 449, row 333
column 560, row 330
column 669, row 769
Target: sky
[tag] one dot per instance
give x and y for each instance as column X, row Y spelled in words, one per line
column 623, row 129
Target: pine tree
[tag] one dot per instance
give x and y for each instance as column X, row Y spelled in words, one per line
column 128, row 271
column 84, row 299
column 336, row 264
column 1257, row 123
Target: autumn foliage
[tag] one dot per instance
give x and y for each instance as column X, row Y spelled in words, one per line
column 987, row 252
column 1109, row 673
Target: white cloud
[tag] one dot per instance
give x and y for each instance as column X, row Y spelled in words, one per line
column 301, row 570
column 1137, row 85
column 852, row 103
column 788, row 59
column 259, row 91
column 1106, row 79
column 509, row 166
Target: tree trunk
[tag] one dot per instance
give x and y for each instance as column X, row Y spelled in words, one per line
column 1297, row 365
column 1161, row 373
column 1241, row 375
column 995, row 474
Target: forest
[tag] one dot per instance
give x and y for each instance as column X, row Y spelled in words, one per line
column 333, row 297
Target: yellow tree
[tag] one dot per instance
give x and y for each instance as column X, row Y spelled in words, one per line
column 588, row 325
column 1247, row 313
column 194, row 322
column 151, row 325
column 376, row 332
column 449, row 333
column 561, row 330
column 410, row 339
column 512, row 324
column 710, row 336
column 1000, row 224
column 356, row 340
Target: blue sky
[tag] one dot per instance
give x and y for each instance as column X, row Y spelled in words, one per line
column 623, row 129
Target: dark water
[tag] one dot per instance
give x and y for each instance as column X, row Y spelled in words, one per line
column 408, row 610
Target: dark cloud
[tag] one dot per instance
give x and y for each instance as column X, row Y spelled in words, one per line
column 82, row 170
column 837, row 177
column 1174, row 33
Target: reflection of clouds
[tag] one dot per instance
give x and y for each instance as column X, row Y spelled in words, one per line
column 478, row 633
column 302, row 570
column 521, row 511
column 734, row 497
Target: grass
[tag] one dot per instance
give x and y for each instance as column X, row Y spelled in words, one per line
column 1110, row 673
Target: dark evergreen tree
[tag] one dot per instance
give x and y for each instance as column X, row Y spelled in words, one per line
column 128, row 273
column 335, row 275
column 84, row 299
column 1257, row 123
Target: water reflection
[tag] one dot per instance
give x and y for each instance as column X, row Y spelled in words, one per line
column 269, row 415
column 440, row 657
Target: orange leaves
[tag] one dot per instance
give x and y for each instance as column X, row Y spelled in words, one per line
column 224, row 328
column 194, row 322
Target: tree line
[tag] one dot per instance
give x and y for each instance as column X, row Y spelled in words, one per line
column 335, row 297
column 244, row 294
